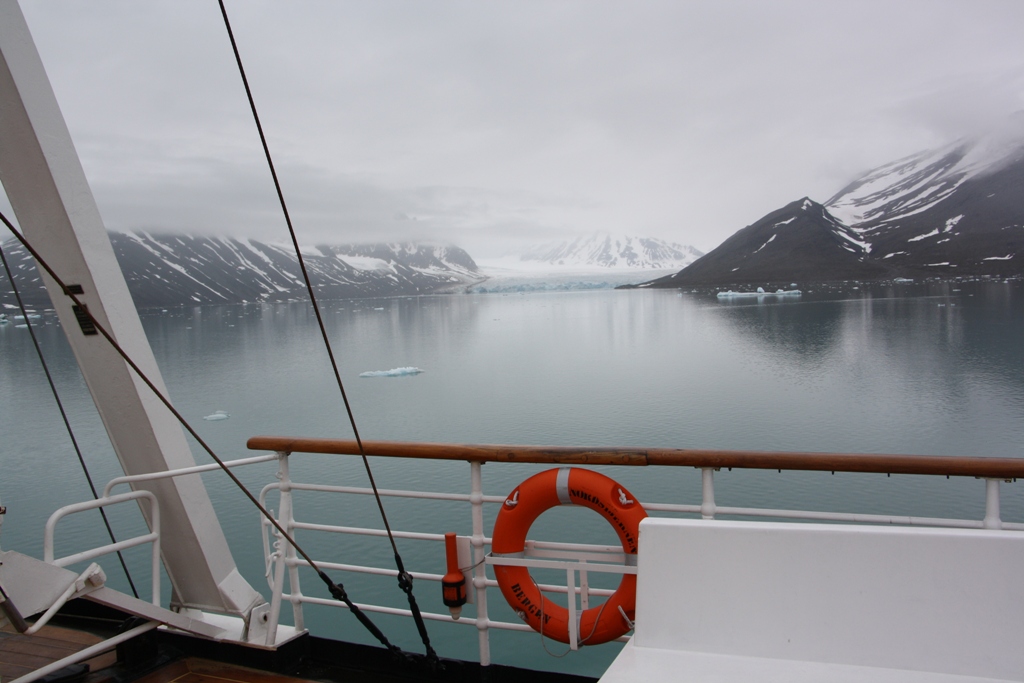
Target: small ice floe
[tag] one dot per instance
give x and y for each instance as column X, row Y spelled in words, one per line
column 3, row 318
column 219, row 415
column 393, row 372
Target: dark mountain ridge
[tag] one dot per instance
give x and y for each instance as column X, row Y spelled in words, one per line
column 801, row 240
column 956, row 211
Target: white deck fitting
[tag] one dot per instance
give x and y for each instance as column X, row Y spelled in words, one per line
column 33, row 586
column 748, row 601
column 648, row 665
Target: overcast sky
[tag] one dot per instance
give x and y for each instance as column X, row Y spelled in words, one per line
column 487, row 124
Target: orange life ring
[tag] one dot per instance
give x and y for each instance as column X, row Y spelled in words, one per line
column 543, row 491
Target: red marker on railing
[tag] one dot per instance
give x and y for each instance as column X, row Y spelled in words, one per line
column 453, row 585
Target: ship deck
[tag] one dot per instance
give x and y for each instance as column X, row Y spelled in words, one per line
column 21, row 654
column 198, row 670
column 164, row 656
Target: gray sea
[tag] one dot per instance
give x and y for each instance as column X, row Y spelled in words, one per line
column 915, row 368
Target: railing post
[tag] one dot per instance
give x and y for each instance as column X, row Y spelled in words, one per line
column 287, row 518
column 574, row 636
column 707, row 503
column 277, row 580
column 584, row 587
column 992, row 515
column 476, row 500
column 154, row 514
column 283, row 551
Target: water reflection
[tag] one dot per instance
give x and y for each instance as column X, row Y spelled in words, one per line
column 929, row 374
column 941, row 372
column 808, row 330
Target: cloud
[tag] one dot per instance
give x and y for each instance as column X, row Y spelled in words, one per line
column 210, row 196
column 492, row 123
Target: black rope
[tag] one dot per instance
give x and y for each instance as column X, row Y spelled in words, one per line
column 404, row 578
column 336, row 590
column 64, row 415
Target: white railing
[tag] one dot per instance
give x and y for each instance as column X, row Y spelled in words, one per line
column 709, row 510
column 577, row 560
column 573, row 558
column 108, row 498
column 196, row 469
column 152, row 537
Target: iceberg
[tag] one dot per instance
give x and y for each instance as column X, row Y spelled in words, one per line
column 219, row 415
column 393, row 372
column 760, row 293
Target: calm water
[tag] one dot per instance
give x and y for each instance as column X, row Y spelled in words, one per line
column 927, row 369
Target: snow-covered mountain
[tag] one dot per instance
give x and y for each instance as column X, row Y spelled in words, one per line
column 599, row 251
column 175, row 269
column 955, row 211
column 912, row 185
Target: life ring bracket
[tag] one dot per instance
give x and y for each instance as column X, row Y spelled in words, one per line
column 522, row 559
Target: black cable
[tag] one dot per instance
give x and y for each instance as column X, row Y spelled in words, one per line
column 404, row 578
column 64, row 415
column 336, row 590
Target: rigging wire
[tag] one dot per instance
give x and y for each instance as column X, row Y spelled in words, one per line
column 404, row 578
column 63, row 414
column 336, row 590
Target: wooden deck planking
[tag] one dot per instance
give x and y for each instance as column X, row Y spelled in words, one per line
column 21, row 654
column 195, row 670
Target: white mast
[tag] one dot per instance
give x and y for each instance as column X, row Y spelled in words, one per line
column 44, row 180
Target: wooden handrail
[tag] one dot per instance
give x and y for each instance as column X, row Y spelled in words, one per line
column 993, row 468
